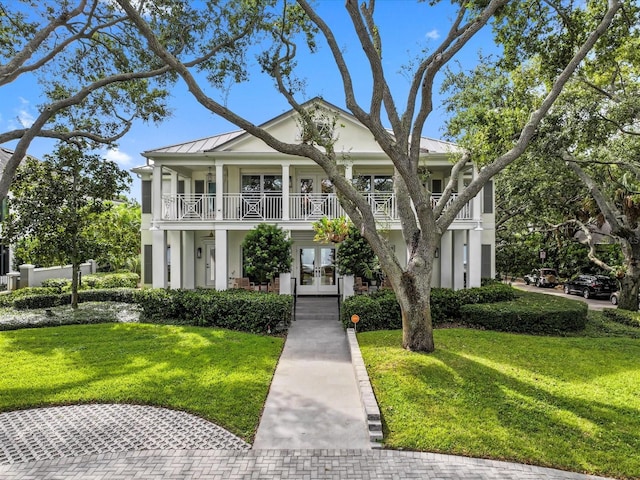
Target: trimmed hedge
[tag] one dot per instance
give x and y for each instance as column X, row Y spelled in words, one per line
column 381, row 311
column 624, row 317
column 95, row 281
column 531, row 313
column 240, row 310
column 33, row 299
column 111, row 280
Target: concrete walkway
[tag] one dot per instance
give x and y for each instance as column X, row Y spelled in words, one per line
column 314, row 401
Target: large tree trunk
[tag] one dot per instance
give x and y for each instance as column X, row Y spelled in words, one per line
column 630, row 283
column 414, row 297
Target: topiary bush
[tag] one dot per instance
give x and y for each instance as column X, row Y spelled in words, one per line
column 531, row 313
column 240, row 310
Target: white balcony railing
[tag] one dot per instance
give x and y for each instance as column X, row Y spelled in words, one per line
column 269, row 207
column 188, row 207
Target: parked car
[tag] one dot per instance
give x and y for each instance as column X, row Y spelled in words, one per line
column 615, row 297
column 542, row 277
column 591, row 286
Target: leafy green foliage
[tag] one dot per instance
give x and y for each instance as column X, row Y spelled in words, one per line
column 67, row 190
column 51, row 298
column 233, row 309
column 624, row 317
column 356, row 257
column 117, row 230
column 111, row 280
column 381, row 311
column 267, row 252
column 533, row 313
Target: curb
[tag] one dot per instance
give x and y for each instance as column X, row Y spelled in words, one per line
column 368, row 398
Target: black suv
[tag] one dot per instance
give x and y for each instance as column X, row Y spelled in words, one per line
column 591, row 286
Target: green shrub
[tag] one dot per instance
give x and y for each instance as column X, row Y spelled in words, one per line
column 60, row 284
column 42, row 300
column 624, row 317
column 233, row 309
column 376, row 312
column 111, row 280
column 51, row 299
column 120, row 295
column 533, row 313
column 381, row 311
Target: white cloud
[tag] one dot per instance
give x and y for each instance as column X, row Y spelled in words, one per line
column 115, row 155
column 23, row 115
column 433, row 34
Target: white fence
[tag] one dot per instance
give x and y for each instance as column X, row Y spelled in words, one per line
column 30, row 276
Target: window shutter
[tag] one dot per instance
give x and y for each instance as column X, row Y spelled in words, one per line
column 148, row 264
column 487, row 198
column 146, row 196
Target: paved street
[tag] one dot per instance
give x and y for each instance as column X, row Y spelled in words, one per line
column 593, row 303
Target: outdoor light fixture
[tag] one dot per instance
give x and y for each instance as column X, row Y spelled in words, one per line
column 209, row 176
column 199, row 252
column 436, row 254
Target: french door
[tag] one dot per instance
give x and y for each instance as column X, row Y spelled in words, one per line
column 317, row 271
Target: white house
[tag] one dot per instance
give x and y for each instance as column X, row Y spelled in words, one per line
column 200, row 198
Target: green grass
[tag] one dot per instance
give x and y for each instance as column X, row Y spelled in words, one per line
column 566, row 402
column 220, row 375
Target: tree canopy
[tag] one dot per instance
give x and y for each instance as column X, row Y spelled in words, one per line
column 581, row 172
column 54, row 203
column 521, row 27
column 94, row 74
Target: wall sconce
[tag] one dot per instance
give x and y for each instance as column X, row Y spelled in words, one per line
column 436, row 254
column 199, row 252
column 209, row 176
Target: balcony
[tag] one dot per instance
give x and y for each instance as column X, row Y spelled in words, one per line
column 255, row 207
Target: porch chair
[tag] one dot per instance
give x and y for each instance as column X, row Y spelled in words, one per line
column 274, row 287
column 243, row 283
column 359, row 286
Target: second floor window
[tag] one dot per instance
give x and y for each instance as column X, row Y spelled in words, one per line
column 374, row 183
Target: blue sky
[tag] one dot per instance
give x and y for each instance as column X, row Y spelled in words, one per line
column 406, row 27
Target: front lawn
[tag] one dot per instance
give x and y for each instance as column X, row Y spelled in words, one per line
column 220, row 375
column 566, row 402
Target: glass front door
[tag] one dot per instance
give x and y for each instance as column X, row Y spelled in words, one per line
column 317, row 271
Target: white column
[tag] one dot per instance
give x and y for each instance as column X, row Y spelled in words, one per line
column 446, row 260
column 188, row 260
column 219, row 191
column 221, row 259
column 285, row 191
column 175, row 241
column 174, row 183
column 474, row 260
column 458, row 258
column 156, row 194
column 159, row 261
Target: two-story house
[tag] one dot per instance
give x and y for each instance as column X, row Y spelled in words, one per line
column 200, row 198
